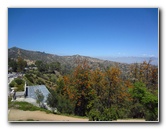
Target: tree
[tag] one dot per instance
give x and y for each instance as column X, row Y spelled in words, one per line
column 42, row 67
column 95, row 105
column 113, row 84
column 54, row 66
column 52, row 99
column 13, row 64
column 145, row 104
column 77, row 87
column 146, row 73
column 61, row 102
column 21, row 64
column 134, row 72
column 39, row 96
column 82, row 85
column 138, row 92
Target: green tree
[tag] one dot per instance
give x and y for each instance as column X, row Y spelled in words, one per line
column 150, row 102
column 21, row 64
column 39, row 96
column 42, row 67
column 54, row 66
column 52, row 99
column 61, row 102
column 145, row 104
column 13, row 64
column 95, row 105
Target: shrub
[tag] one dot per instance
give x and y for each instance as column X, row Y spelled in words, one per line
column 39, row 82
column 29, row 77
column 94, row 115
column 40, row 96
column 19, row 81
column 109, row 114
column 12, row 84
column 20, row 87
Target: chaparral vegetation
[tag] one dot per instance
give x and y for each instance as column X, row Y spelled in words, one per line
column 102, row 93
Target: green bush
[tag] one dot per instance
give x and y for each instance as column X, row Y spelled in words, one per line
column 65, row 106
column 94, row 115
column 151, row 116
column 20, row 87
column 12, row 84
column 19, row 81
column 123, row 113
column 40, row 82
column 109, row 114
column 53, row 79
column 62, row 104
column 29, row 77
column 40, row 96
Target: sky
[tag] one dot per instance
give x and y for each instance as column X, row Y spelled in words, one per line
column 95, row 32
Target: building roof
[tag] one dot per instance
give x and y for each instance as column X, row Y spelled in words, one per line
column 32, row 91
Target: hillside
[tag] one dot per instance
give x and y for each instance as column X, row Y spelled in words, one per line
column 66, row 61
column 103, row 94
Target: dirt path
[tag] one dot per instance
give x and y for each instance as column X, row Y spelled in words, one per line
column 16, row 115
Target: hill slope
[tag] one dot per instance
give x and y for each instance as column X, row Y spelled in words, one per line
column 68, row 61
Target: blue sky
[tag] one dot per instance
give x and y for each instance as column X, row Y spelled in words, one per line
column 96, row 32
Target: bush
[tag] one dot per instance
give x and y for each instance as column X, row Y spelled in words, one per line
column 58, row 101
column 109, row 114
column 53, row 79
column 20, row 87
column 94, row 115
column 40, row 82
column 19, row 81
column 151, row 116
column 52, row 99
column 65, row 106
column 12, row 84
column 29, row 77
column 123, row 113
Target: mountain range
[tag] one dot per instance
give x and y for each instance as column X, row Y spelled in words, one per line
column 14, row 52
column 69, row 62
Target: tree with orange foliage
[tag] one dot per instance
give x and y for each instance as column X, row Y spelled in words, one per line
column 113, row 83
column 146, row 73
column 77, row 87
